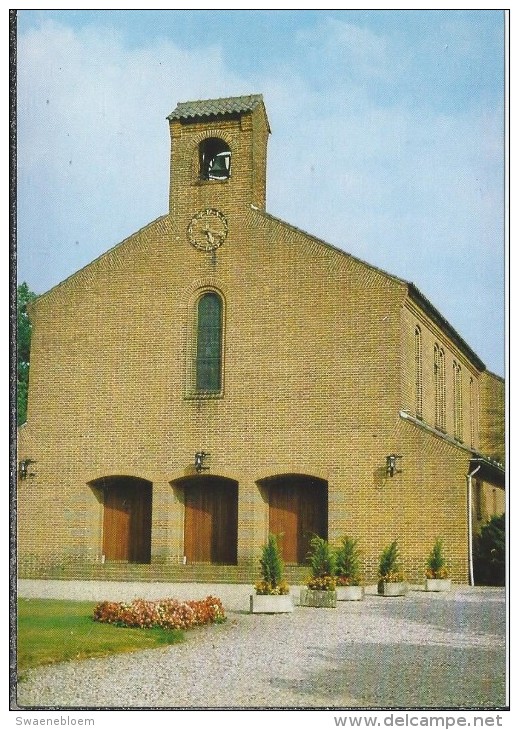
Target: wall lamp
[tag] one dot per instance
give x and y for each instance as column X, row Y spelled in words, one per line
column 391, row 465
column 199, row 461
column 23, row 468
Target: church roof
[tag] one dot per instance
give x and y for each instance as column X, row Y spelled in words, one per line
column 215, row 107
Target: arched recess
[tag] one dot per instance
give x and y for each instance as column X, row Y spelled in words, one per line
column 298, row 509
column 127, row 505
column 211, row 518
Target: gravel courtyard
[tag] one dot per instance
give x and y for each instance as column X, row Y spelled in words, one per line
column 424, row 650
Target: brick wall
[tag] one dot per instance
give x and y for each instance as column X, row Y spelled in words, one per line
column 471, row 377
column 492, row 415
column 317, row 367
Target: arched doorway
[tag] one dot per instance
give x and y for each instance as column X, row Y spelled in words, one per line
column 126, row 518
column 211, row 519
column 298, row 509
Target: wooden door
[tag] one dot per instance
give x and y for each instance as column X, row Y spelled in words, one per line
column 127, row 521
column 140, row 525
column 198, row 524
column 283, row 519
column 224, row 548
column 298, row 509
column 116, row 528
column 313, row 518
column 211, row 521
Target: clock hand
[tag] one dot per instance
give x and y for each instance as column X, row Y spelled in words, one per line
column 211, row 234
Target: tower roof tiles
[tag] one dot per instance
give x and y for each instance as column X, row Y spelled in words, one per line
column 215, row 107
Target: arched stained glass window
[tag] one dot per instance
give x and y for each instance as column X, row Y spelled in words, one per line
column 209, row 343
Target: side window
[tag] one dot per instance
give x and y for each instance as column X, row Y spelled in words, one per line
column 439, row 386
column 215, row 159
column 209, row 343
column 418, row 371
column 458, row 402
column 472, row 413
column 479, row 500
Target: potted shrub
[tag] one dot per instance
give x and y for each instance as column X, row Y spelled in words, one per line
column 391, row 581
column 347, row 571
column 436, row 575
column 272, row 592
column 320, row 587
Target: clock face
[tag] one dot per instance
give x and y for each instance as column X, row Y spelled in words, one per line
column 207, row 230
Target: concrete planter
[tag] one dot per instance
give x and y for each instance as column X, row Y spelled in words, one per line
column 437, row 584
column 392, row 589
column 271, row 604
column 318, row 599
column 350, row 593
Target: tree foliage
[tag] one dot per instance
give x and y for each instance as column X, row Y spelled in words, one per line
column 23, row 349
column 347, row 560
column 321, row 558
column 271, row 563
column 272, row 583
column 388, row 562
column 490, row 553
column 436, row 559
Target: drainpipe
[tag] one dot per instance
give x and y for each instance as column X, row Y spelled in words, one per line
column 469, row 500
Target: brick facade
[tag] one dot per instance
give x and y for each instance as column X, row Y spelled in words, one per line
column 492, row 407
column 318, row 380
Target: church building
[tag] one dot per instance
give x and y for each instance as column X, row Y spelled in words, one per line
column 221, row 374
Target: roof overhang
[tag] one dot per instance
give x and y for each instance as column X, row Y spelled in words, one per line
column 231, row 107
column 417, row 296
column 488, row 470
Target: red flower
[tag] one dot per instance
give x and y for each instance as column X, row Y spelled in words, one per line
column 167, row 613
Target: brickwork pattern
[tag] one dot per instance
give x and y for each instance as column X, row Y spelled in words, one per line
column 492, row 429
column 318, row 365
column 412, row 316
column 487, row 501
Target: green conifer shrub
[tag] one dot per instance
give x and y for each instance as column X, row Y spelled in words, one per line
column 272, row 568
column 347, row 563
column 389, row 568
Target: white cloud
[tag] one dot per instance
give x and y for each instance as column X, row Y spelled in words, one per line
column 93, row 147
column 353, row 50
column 390, row 181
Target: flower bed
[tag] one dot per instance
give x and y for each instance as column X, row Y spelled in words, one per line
column 168, row 613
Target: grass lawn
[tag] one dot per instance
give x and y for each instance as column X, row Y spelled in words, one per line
column 56, row 631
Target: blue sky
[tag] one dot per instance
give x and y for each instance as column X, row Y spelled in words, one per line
column 387, row 136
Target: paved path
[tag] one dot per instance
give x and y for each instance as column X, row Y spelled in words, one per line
column 424, row 650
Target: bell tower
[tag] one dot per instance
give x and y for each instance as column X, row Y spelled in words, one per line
column 218, row 154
